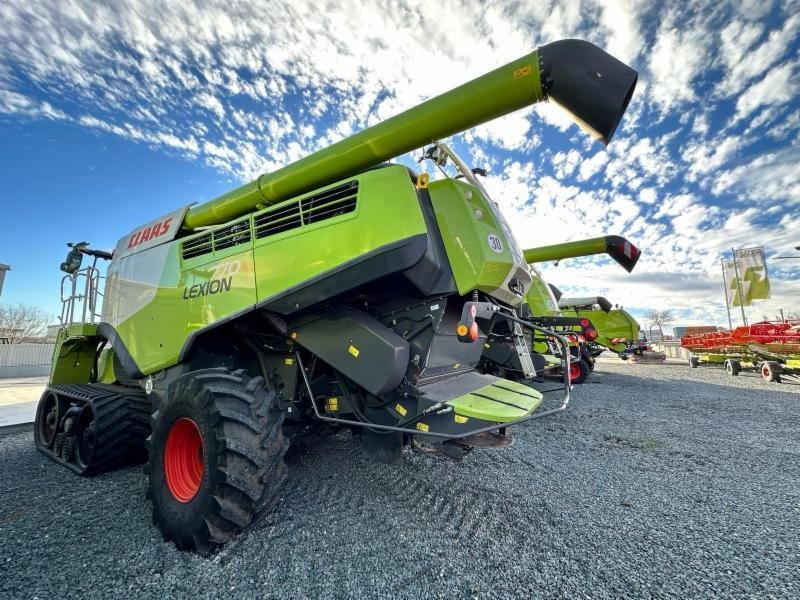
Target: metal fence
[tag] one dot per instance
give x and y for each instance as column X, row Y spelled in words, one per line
column 25, row 355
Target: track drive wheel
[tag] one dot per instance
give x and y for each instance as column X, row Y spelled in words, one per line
column 771, row 371
column 48, row 415
column 216, row 457
column 578, row 371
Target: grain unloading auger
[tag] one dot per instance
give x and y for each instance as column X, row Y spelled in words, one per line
column 337, row 290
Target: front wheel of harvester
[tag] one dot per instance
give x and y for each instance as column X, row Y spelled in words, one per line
column 694, row 361
column 578, row 371
column 216, row 457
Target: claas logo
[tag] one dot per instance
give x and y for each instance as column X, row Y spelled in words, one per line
column 148, row 233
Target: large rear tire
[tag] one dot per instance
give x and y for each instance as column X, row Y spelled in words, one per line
column 216, row 457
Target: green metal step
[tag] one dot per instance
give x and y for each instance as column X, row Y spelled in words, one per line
column 485, row 397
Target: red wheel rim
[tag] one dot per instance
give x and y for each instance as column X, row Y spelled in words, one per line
column 183, row 459
column 574, row 370
column 765, row 372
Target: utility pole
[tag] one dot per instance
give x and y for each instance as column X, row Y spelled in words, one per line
column 725, row 287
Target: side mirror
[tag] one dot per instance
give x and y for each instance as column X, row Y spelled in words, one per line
column 74, row 258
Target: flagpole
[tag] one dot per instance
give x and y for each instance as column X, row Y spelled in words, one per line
column 739, row 287
column 725, row 287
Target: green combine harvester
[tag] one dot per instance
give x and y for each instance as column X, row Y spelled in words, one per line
column 617, row 330
column 339, row 290
column 576, row 319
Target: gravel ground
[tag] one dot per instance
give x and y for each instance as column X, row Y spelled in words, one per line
column 658, row 481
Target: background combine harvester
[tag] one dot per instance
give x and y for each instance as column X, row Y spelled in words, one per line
column 338, row 291
column 573, row 318
column 616, row 328
column 772, row 348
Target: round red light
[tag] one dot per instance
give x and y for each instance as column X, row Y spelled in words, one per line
column 585, row 322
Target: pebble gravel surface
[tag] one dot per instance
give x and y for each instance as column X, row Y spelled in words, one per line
column 658, row 481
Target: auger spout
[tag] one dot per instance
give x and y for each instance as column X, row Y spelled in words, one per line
column 593, row 86
column 617, row 247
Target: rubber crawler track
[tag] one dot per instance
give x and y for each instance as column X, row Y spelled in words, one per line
column 122, row 421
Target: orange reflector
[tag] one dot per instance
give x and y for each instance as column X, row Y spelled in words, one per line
column 461, row 329
column 294, row 335
column 590, row 333
column 473, row 331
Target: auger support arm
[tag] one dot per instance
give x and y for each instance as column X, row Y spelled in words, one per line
column 616, row 246
column 593, row 86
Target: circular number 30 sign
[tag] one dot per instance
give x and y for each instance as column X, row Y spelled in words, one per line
column 495, row 243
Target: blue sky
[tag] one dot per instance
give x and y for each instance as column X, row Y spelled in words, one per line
column 112, row 116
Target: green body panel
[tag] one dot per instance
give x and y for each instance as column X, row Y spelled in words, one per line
column 73, row 355
column 475, row 263
column 105, row 367
column 498, row 402
column 617, row 323
column 540, row 297
column 387, row 211
column 499, row 92
column 259, row 269
column 566, row 250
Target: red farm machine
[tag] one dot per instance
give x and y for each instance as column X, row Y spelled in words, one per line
column 771, row 348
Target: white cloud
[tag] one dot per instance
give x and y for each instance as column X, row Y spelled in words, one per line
column 744, row 60
column 768, row 179
column 777, row 87
column 621, row 19
column 592, row 165
column 14, row 103
column 678, row 57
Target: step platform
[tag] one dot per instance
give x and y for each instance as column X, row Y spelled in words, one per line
column 477, row 401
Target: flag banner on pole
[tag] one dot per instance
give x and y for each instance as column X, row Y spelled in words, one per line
column 752, row 266
column 734, row 285
column 752, row 283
